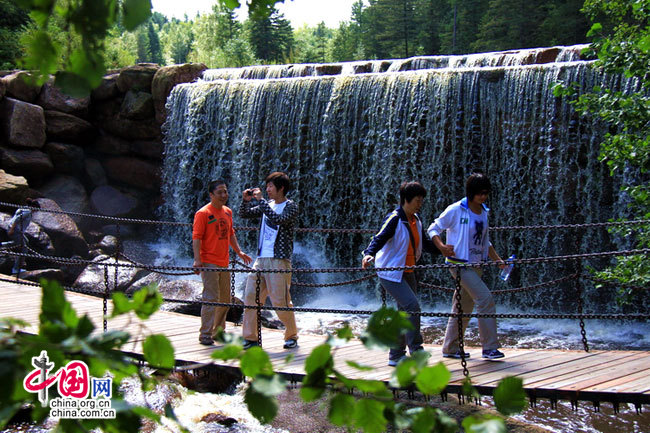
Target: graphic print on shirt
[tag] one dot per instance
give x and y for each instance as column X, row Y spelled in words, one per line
column 223, row 229
column 478, row 232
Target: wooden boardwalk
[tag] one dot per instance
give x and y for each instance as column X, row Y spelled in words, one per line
column 597, row 376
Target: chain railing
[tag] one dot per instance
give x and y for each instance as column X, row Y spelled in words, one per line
column 238, row 267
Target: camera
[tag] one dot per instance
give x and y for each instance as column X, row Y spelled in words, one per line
column 249, row 192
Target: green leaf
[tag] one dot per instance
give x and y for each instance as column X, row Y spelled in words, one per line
column 596, row 28
column 262, row 407
column 424, row 419
column 484, row 424
column 146, row 301
column 433, row 380
column 385, row 327
column 320, row 357
column 359, row 366
column 644, row 43
column 230, row 351
column 341, row 410
column 369, row 416
column 404, row 374
column 270, row 386
column 158, row 351
column 135, row 13
column 509, row 396
column 256, row 361
column 376, row 387
column 121, row 304
column 230, row 4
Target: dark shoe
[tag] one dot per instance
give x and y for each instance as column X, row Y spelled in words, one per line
column 249, row 343
column 291, row 343
column 394, row 362
column 455, row 355
column 492, row 354
column 206, row 341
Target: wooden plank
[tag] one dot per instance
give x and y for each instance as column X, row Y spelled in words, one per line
column 626, row 373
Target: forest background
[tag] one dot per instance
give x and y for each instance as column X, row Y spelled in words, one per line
column 376, row 29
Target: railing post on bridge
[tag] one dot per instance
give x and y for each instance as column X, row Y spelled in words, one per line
column 106, row 292
column 232, row 283
column 579, row 294
column 258, row 282
column 459, row 311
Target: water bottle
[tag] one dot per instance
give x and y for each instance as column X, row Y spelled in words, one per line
column 505, row 272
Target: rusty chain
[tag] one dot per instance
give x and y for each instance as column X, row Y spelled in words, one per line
column 459, row 317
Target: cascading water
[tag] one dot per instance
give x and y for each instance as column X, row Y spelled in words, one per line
column 348, row 140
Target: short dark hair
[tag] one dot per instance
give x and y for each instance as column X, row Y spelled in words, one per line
column 280, row 180
column 409, row 190
column 32, row 203
column 214, row 184
column 476, row 182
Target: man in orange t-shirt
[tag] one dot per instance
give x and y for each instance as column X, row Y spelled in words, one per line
column 212, row 235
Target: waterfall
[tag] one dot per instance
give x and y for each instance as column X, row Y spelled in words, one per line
column 347, row 141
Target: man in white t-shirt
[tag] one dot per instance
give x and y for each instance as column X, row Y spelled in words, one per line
column 466, row 225
column 274, row 250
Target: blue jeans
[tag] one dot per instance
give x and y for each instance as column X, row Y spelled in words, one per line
column 404, row 294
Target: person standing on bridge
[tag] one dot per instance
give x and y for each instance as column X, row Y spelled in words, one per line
column 467, row 241
column 399, row 243
column 212, row 236
column 17, row 229
column 274, row 251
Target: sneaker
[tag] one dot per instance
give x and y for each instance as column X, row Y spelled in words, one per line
column 249, row 343
column 206, row 341
column 492, row 354
column 291, row 343
column 455, row 355
column 394, row 362
column 18, row 271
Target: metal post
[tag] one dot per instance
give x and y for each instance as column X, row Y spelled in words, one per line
column 258, row 281
column 106, row 291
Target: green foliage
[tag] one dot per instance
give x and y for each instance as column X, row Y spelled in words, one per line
column 385, row 327
column 484, row 424
column 509, row 396
column 621, row 33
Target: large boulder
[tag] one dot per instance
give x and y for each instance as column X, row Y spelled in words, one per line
column 48, row 274
column 107, row 200
column 93, row 278
column 19, row 86
column 66, row 236
column 130, row 129
column 52, row 98
column 149, row 149
column 67, row 158
column 137, row 105
column 33, row 164
column 13, row 189
column 147, row 280
column 68, row 128
column 138, row 77
column 68, row 193
column 94, row 174
column 111, row 145
column 3, row 89
column 169, row 76
column 107, row 89
column 134, row 171
column 22, row 124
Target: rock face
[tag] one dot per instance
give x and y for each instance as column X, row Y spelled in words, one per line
column 19, row 87
column 22, row 124
column 92, row 278
column 13, row 189
column 63, row 126
column 33, row 164
column 165, row 80
column 51, row 98
column 66, row 236
column 107, row 200
column 108, row 146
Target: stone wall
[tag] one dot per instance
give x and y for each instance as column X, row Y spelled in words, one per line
column 100, row 154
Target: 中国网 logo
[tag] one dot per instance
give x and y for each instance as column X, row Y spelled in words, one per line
column 74, row 386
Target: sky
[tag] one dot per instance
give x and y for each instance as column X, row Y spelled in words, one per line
column 299, row 12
